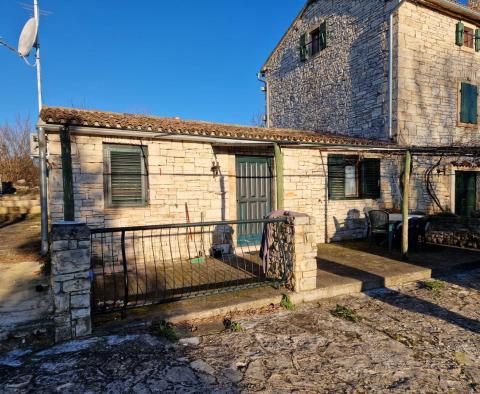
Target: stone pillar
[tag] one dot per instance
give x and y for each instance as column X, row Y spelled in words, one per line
column 71, row 280
column 305, row 257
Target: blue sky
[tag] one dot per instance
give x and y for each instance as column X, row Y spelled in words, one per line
column 190, row 58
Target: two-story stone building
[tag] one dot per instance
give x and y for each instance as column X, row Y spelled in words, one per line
column 397, row 70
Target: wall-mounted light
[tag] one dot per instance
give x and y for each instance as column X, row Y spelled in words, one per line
column 442, row 170
column 215, row 168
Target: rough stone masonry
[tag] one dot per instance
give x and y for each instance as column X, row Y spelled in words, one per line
column 71, row 280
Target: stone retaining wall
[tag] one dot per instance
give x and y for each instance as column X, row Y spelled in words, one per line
column 455, row 231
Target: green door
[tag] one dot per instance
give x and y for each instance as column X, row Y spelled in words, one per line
column 254, row 196
column 465, row 192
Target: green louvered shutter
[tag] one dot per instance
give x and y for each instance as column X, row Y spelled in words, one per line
column 477, row 40
column 468, row 103
column 460, row 34
column 336, row 177
column 323, row 35
column 371, row 178
column 303, row 47
column 125, row 181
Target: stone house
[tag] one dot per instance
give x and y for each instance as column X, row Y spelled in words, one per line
column 401, row 71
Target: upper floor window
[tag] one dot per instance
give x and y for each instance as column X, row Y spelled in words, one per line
column 314, row 42
column 125, row 175
column 467, row 37
column 468, row 103
column 350, row 177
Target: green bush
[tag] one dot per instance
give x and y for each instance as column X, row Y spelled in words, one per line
column 165, row 330
column 345, row 313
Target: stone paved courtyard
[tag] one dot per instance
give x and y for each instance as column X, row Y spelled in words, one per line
column 409, row 339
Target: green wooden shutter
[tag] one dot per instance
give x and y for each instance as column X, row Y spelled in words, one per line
column 336, row 177
column 477, row 40
column 125, row 183
column 460, row 35
column 473, row 104
column 468, row 103
column 303, row 47
column 370, row 170
column 323, row 36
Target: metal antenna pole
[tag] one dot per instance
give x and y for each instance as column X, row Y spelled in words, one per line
column 37, row 56
column 42, row 147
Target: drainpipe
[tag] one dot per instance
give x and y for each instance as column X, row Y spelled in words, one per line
column 390, row 69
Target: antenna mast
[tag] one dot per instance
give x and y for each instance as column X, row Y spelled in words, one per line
column 36, row 12
column 42, row 146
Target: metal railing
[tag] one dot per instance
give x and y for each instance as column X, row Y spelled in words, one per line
column 142, row 265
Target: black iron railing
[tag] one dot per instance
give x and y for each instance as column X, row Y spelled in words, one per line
column 137, row 266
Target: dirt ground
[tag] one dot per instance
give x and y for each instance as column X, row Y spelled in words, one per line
column 19, row 240
column 422, row 337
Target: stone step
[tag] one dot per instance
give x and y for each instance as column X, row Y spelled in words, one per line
column 16, row 211
column 19, row 203
column 17, row 197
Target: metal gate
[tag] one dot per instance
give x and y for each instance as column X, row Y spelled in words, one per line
column 137, row 266
column 254, row 195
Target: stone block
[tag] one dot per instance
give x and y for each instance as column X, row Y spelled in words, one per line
column 76, row 285
column 82, row 326
column 80, row 300
column 63, row 333
column 61, row 302
column 69, row 261
column 78, row 313
column 70, row 231
column 307, row 284
column 59, row 245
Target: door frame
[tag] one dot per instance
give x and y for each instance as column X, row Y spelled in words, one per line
column 453, row 186
column 271, row 162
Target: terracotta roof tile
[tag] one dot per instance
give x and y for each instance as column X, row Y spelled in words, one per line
column 113, row 120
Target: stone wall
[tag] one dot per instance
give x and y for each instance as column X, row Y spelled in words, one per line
column 343, row 89
column 180, row 172
column 71, row 280
column 430, row 69
column 455, row 231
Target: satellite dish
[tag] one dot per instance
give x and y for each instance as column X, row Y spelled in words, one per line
column 28, row 37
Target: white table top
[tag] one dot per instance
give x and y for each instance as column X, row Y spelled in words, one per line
column 397, row 217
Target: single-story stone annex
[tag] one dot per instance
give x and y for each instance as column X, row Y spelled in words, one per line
column 136, row 170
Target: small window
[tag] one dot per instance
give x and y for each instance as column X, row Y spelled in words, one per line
column 315, row 39
column 468, row 103
column 317, row 42
column 125, row 176
column 350, row 177
column 351, row 180
column 468, row 37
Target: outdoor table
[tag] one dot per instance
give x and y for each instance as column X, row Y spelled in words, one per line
column 397, row 217
column 395, row 220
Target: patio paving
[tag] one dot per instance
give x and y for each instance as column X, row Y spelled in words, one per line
column 349, row 267
column 410, row 339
